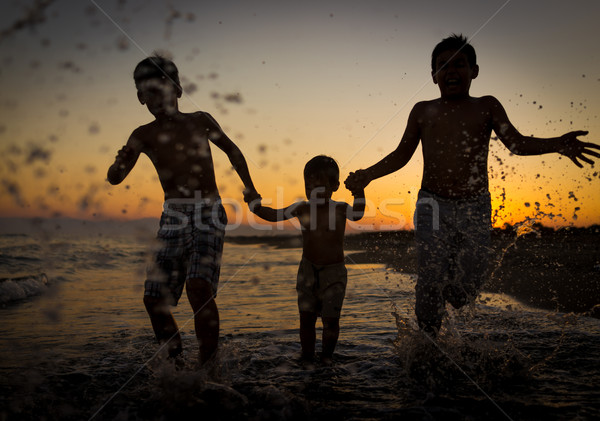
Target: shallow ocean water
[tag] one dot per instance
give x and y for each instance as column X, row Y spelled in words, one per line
column 84, row 348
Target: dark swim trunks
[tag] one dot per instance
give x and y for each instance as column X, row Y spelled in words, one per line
column 453, row 252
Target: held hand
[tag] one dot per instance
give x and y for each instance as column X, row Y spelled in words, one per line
column 250, row 195
column 252, row 198
column 574, row 149
column 357, row 181
column 351, row 182
column 358, row 192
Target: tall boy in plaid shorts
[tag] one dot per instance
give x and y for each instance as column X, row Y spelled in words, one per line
column 192, row 225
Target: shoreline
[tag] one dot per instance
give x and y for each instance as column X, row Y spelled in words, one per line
column 555, row 270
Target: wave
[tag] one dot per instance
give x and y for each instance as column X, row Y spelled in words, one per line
column 21, row 288
column 14, row 235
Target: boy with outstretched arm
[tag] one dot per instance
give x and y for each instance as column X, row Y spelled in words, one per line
column 453, row 211
column 192, row 225
column 322, row 275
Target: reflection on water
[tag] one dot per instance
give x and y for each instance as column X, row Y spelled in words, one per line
column 85, row 347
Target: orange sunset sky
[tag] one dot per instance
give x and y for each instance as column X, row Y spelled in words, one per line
column 287, row 81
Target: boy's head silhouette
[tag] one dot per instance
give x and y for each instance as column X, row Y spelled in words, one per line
column 454, row 66
column 157, row 82
column 321, row 177
column 458, row 43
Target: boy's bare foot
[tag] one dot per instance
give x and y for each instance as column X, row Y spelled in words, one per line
column 307, row 357
column 175, row 351
column 430, row 331
column 169, row 349
column 211, row 366
column 326, row 361
column 177, row 361
column 308, row 361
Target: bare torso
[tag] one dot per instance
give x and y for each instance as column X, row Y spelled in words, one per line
column 180, row 152
column 455, row 138
column 323, row 229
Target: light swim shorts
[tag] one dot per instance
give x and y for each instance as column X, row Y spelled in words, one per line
column 321, row 288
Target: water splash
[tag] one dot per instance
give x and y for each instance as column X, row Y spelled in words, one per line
column 522, row 228
column 463, row 354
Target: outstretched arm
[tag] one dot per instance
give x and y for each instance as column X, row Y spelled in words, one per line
column 125, row 160
column 358, row 207
column 395, row 160
column 274, row 215
column 574, row 149
column 223, row 142
column 567, row 144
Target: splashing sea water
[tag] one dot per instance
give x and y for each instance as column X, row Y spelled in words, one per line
column 86, row 350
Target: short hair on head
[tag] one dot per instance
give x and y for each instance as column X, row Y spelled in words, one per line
column 323, row 164
column 455, row 43
column 156, row 67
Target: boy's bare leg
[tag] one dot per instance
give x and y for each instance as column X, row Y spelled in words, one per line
column 164, row 325
column 206, row 316
column 331, row 332
column 308, row 334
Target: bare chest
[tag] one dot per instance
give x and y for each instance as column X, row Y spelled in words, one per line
column 322, row 220
column 460, row 131
column 177, row 146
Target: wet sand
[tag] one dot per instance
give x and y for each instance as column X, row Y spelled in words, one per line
column 557, row 270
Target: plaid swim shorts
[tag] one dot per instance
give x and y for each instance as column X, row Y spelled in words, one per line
column 190, row 245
